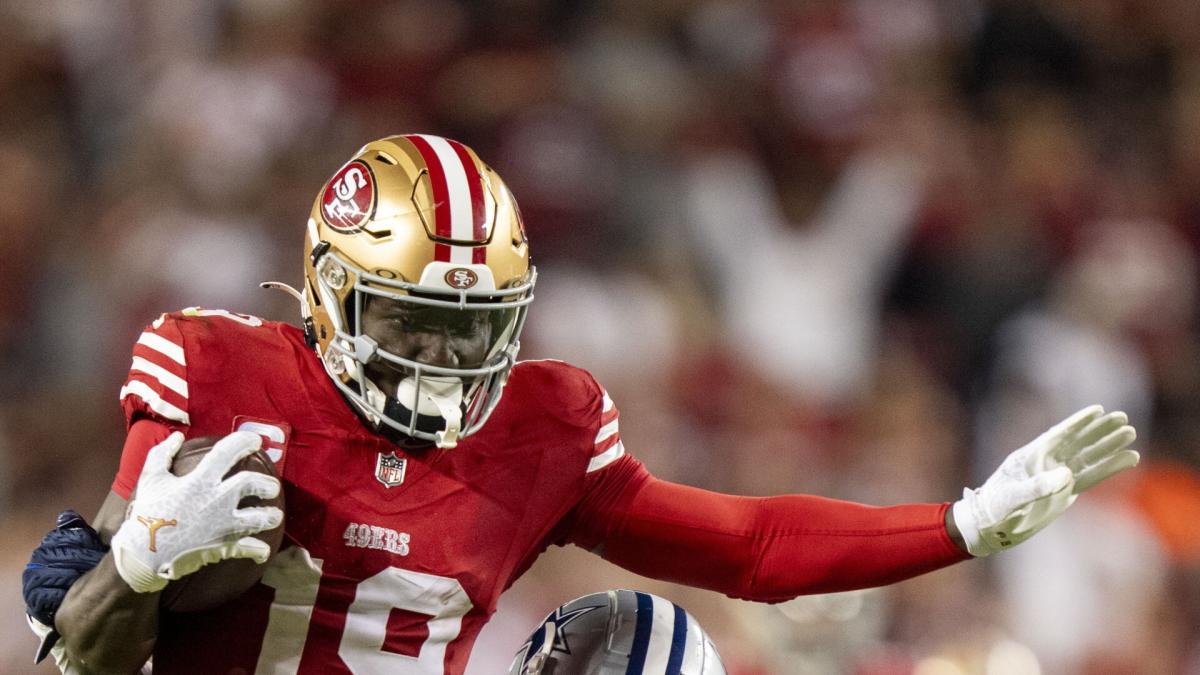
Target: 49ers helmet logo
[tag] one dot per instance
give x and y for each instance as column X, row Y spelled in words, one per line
column 349, row 198
column 461, row 278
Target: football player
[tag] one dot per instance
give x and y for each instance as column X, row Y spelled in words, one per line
column 425, row 468
column 618, row 633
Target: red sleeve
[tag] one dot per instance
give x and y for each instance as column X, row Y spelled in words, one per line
column 157, row 385
column 766, row 549
column 143, row 435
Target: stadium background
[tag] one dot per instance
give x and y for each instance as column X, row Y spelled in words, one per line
column 858, row 248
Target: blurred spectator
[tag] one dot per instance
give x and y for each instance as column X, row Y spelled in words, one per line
column 854, row 247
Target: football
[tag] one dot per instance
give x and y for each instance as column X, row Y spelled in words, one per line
column 218, row 583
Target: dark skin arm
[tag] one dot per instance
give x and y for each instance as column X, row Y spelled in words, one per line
column 106, row 626
column 952, row 531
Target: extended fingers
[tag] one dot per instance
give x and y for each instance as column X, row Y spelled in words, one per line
column 251, row 548
column 1059, row 442
column 1076, row 423
column 1116, row 441
column 1089, row 476
column 227, row 452
column 250, row 484
column 1088, row 436
column 253, row 519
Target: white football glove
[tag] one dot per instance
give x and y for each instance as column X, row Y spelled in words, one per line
column 1036, row 483
column 177, row 524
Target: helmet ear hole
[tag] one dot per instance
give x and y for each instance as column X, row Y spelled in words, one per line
column 312, row 292
column 348, row 309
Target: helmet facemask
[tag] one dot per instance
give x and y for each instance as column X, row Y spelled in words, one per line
column 450, row 401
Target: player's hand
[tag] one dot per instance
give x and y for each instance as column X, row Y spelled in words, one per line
column 1036, row 483
column 66, row 553
column 178, row 524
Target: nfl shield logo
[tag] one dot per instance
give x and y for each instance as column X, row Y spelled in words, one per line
column 389, row 469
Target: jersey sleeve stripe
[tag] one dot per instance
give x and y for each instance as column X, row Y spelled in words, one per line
column 607, row 457
column 159, row 359
column 606, row 431
column 606, row 444
column 609, row 417
column 608, row 403
column 154, row 401
column 165, row 377
column 163, row 346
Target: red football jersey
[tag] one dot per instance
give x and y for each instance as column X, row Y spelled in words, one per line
column 393, row 560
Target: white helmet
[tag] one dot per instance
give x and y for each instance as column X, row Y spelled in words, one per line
column 616, row 633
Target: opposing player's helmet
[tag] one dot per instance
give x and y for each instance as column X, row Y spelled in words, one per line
column 615, row 633
column 422, row 221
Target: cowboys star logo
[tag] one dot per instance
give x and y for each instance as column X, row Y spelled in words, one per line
column 560, row 619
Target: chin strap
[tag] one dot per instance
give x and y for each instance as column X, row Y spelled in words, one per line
column 452, row 413
column 310, row 329
column 445, row 394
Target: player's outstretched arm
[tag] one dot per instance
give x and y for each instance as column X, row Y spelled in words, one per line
column 174, row 526
column 775, row 548
column 1037, row 482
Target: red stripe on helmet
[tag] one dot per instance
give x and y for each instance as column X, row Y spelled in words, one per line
column 475, row 184
column 441, row 194
column 478, row 208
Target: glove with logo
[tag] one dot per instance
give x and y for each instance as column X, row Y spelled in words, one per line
column 1036, row 483
column 178, row 524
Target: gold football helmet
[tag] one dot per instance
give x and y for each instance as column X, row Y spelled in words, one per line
column 423, row 222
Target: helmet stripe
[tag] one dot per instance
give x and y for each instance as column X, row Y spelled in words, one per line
column 478, row 210
column 641, row 634
column 678, row 642
column 662, row 637
column 460, row 215
column 694, row 657
column 441, row 193
column 457, row 187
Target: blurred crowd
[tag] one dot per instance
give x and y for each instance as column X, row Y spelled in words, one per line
column 859, row 248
